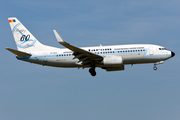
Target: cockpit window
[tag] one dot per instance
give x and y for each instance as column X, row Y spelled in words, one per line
column 162, row 49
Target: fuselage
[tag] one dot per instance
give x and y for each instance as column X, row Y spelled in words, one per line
column 110, row 58
column 131, row 54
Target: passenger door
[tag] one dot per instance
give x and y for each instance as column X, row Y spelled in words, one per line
column 151, row 50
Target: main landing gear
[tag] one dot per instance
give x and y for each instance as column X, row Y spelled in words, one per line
column 157, row 63
column 92, row 71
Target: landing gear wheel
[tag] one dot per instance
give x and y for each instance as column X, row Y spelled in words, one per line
column 155, row 68
column 92, row 71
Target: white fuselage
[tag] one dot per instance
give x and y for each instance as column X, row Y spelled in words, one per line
column 131, row 54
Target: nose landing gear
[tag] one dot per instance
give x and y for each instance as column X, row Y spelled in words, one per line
column 157, row 63
column 155, row 68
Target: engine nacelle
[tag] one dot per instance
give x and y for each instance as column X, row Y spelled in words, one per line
column 112, row 61
column 114, row 68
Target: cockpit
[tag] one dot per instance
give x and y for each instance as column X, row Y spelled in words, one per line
column 163, row 49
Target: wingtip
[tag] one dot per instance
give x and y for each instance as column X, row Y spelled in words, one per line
column 7, row 48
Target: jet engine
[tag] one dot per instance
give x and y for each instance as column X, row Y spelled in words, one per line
column 112, row 61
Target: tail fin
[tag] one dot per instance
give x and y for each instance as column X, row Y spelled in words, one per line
column 25, row 41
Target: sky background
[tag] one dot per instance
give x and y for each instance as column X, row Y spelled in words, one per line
column 33, row 92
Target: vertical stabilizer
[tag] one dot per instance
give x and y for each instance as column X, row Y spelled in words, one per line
column 25, row 41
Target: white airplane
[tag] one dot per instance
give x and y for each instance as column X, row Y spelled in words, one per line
column 110, row 58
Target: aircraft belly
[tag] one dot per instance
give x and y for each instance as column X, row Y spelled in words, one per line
column 56, row 62
column 140, row 58
column 132, row 58
column 62, row 62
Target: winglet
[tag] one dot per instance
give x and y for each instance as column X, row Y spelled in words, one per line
column 58, row 37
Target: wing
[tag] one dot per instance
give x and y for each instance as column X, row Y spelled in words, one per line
column 85, row 57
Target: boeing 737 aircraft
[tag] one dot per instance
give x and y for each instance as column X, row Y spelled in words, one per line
column 110, row 58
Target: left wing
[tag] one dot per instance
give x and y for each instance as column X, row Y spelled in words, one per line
column 85, row 57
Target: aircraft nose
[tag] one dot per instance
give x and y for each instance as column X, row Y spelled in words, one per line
column 172, row 54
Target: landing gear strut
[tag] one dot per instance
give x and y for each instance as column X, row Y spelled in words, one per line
column 92, row 71
column 157, row 63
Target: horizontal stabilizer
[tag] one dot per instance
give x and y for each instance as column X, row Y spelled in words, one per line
column 18, row 53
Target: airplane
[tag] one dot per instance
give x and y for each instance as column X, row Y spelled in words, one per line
column 110, row 58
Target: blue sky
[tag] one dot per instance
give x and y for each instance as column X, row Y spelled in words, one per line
column 29, row 91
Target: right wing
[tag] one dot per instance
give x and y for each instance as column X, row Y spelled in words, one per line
column 85, row 57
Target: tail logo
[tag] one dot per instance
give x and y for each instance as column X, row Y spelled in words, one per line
column 25, row 38
column 23, row 41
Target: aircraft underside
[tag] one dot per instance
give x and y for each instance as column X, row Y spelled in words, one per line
column 70, row 63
